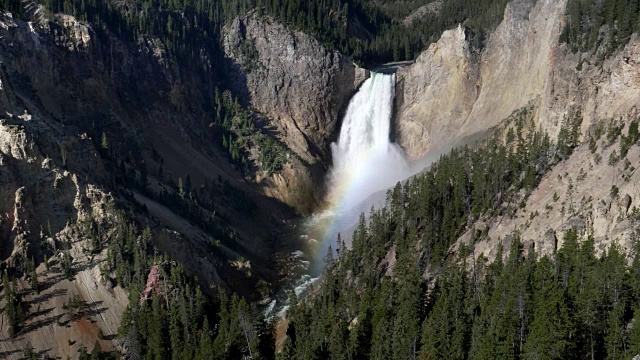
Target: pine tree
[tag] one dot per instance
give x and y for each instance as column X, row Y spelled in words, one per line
column 205, row 346
column 360, row 335
column 634, row 336
column 156, row 331
column 104, row 142
column 175, row 331
column 328, row 259
column 187, row 187
column 83, row 354
column 181, row 191
column 617, row 298
column 29, row 352
column 97, row 351
column 405, row 325
column 266, row 344
column 552, row 327
column 13, row 307
column 381, row 346
column 66, row 264
column 446, row 332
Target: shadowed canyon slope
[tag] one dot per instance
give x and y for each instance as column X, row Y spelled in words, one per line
column 92, row 125
column 64, row 86
column 454, row 90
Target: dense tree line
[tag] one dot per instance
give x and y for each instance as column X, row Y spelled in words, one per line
column 180, row 322
column 235, row 128
column 571, row 305
column 359, row 312
column 399, row 293
column 369, row 31
column 373, row 32
column 173, row 318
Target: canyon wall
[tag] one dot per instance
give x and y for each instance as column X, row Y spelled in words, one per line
column 300, row 86
column 454, row 90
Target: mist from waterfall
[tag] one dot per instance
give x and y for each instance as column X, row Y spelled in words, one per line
column 365, row 160
column 365, row 164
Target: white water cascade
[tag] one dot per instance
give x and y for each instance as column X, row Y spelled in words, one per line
column 365, row 160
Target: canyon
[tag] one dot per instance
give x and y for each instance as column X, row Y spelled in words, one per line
column 80, row 109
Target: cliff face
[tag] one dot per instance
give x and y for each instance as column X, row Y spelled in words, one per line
column 436, row 94
column 599, row 90
column 92, row 124
column 452, row 92
column 62, row 88
column 592, row 192
column 40, row 160
column 297, row 84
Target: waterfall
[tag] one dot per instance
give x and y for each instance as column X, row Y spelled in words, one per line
column 365, row 160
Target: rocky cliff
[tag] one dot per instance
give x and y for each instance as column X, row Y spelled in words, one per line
column 436, row 94
column 91, row 126
column 44, row 203
column 300, row 86
column 453, row 90
column 94, row 124
column 593, row 192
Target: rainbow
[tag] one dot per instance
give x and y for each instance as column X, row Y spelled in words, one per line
column 365, row 162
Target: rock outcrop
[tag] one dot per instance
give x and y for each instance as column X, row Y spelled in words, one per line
column 599, row 90
column 587, row 192
column 43, row 203
column 452, row 92
column 299, row 85
column 62, row 88
column 436, row 94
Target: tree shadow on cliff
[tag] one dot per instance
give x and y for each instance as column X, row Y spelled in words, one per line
column 6, row 354
column 41, row 323
column 45, row 285
column 237, row 80
column 38, row 313
column 78, row 309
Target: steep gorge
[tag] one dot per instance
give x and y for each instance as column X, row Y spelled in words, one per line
column 63, row 86
column 454, row 90
column 300, row 88
column 94, row 126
